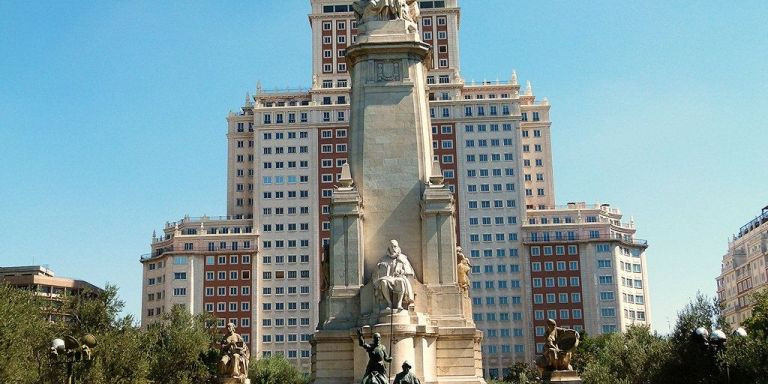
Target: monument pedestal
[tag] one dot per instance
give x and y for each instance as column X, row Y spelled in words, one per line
column 391, row 191
column 232, row 380
column 439, row 355
column 563, row 377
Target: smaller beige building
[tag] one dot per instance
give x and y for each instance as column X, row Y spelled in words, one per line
column 42, row 281
column 588, row 271
column 744, row 269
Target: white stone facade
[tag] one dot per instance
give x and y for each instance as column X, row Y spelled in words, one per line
column 744, row 269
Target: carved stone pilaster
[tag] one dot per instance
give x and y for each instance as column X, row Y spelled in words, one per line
column 341, row 305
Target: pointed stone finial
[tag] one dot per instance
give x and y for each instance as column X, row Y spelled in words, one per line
column 154, row 235
column 513, row 79
column 528, row 88
column 248, row 101
column 258, row 88
column 346, row 177
column 545, row 101
column 436, row 178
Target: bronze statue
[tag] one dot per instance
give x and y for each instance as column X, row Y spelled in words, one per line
column 406, row 376
column 558, row 349
column 234, row 362
column 375, row 372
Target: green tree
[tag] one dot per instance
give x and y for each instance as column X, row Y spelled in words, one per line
column 94, row 312
column 522, row 373
column 25, row 337
column 275, row 370
column 746, row 358
column 179, row 347
column 635, row 357
column 121, row 357
column 691, row 362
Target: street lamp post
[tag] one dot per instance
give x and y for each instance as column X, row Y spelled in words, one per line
column 715, row 343
column 71, row 351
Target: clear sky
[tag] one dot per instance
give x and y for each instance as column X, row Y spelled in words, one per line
column 112, row 118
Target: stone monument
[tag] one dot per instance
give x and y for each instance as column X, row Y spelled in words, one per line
column 555, row 363
column 392, row 266
column 233, row 366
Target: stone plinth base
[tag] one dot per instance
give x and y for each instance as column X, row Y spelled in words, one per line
column 563, row 377
column 445, row 355
column 232, row 380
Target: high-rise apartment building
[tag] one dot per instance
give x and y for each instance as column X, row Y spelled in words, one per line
column 285, row 153
column 744, row 269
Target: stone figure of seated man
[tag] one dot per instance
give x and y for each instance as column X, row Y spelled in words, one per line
column 391, row 284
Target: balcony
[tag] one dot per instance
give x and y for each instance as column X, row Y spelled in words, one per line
column 581, row 206
column 205, row 219
column 578, row 238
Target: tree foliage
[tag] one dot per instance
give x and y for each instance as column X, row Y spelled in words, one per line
column 178, row 349
column 522, row 373
column 275, row 370
column 24, row 334
column 179, row 345
column 634, row 357
column 746, row 358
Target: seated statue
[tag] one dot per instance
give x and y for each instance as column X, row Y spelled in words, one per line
column 390, row 281
column 558, row 349
column 375, row 372
column 406, row 376
column 234, row 362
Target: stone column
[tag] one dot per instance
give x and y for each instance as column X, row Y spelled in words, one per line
column 390, row 142
column 341, row 306
column 439, row 235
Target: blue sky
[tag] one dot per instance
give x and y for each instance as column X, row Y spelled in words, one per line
column 112, row 118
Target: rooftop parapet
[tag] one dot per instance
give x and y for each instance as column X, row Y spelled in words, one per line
column 752, row 224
